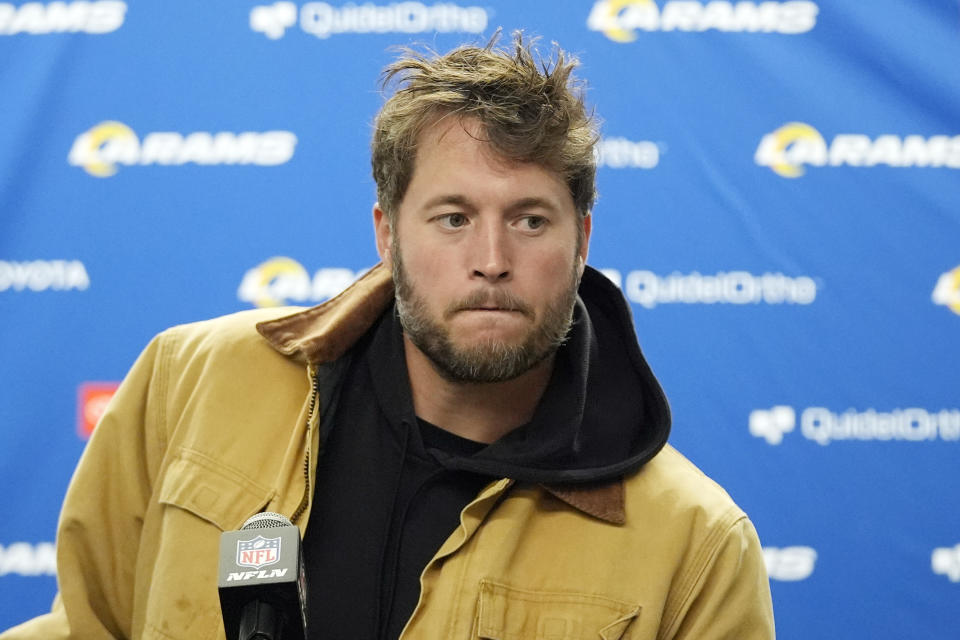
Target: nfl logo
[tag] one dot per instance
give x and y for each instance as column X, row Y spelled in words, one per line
column 258, row 552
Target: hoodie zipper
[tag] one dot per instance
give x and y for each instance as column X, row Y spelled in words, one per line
column 314, row 395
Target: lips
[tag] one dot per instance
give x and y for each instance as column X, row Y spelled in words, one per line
column 490, row 301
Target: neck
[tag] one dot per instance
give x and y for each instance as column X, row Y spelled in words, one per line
column 483, row 412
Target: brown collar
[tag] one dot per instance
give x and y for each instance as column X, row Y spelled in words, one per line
column 601, row 500
column 325, row 332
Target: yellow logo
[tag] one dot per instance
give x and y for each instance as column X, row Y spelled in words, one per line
column 620, row 20
column 796, row 144
column 274, row 282
column 280, row 281
column 791, row 146
column 98, row 149
column 112, row 143
column 947, row 291
column 608, row 16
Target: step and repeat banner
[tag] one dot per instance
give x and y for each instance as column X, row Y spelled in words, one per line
column 779, row 201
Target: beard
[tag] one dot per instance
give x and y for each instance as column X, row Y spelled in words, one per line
column 488, row 360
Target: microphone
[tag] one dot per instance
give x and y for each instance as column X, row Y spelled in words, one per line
column 262, row 584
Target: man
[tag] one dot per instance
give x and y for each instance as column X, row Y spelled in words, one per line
column 468, row 437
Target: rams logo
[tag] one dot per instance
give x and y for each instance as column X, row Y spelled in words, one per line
column 280, row 281
column 98, row 149
column 112, row 143
column 274, row 282
column 620, row 20
column 796, row 144
column 791, row 146
column 607, row 15
column 947, row 291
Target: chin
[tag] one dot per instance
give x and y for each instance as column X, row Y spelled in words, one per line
column 486, row 337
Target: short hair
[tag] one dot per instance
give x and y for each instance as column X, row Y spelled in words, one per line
column 529, row 110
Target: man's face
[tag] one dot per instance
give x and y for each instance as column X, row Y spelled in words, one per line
column 485, row 257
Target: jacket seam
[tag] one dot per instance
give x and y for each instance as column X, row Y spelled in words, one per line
column 160, row 632
column 572, row 597
column 156, row 630
column 700, row 563
column 167, row 344
column 451, row 621
column 225, row 471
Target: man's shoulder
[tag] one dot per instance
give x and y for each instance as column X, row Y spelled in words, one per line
column 236, row 323
column 239, row 325
column 228, row 335
column 673, row 486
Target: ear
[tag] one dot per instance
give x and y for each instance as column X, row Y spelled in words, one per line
column 587, row 223
column 384, row 234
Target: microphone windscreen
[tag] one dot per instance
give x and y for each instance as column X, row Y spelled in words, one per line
column 261, row 571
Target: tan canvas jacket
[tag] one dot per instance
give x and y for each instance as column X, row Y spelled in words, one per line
column 212, row 425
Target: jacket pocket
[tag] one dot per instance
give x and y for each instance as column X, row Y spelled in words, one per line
column 211, row 490
column 509, row 613
column 201, row 497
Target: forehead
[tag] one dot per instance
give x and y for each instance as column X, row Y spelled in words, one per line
column 462, row 137
column 454, row 151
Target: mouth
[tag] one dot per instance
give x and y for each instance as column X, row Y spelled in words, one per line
column 486, row 314
column 493, row 310
column 490, row 302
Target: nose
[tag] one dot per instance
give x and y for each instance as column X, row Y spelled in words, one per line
column 491, row 254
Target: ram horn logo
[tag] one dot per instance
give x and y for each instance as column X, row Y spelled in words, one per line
column 274, row 282
column 98, row 149
column 791, row 146
column 606, row 17
column 947, row 291
column 258, row 552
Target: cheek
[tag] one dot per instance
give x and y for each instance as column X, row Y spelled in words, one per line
column 433, row 274
column 427, row 266
column 550, row 278
column 554, row 264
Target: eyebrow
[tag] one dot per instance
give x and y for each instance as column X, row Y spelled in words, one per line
column 441, row 200
column 532, row 203
column 461, row 201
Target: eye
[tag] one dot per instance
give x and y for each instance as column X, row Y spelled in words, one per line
column 534, row 223
column 452, row 220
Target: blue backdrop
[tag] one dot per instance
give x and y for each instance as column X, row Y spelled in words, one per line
column 780, row 202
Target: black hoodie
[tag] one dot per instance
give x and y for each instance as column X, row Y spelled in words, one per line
column 390, row 487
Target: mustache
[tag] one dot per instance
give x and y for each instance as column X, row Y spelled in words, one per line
column 490, row 298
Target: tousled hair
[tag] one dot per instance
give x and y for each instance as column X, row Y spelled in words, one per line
column 529, row 110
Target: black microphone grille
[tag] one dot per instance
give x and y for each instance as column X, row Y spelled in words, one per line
column 266, row 520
